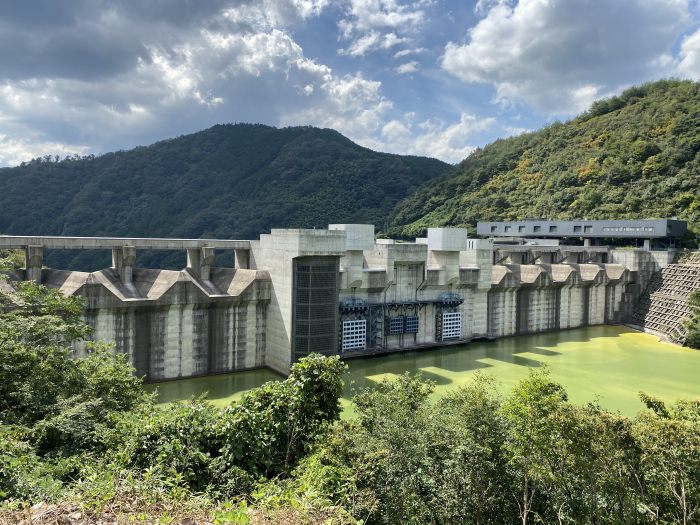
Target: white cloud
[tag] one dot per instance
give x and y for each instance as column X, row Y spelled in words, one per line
column 379, row 24
column 363, row 44
column 484, row 6
column 15, row 151
column 408, row 67
column 406, row 52
column 238, row 68
column 689, row 56
column 433, row 137
column 372, row 41
column 560, row 55
column 451, row 142
column 395, row 130
column 366, row 15
column 264, row 15
column 351, row 104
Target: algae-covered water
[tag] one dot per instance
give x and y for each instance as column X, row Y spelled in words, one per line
column 608, row 363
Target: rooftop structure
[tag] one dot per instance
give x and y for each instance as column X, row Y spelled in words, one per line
column 585, row 229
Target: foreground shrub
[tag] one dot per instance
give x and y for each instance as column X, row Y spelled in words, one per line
column 532, row 457
column 265, row 434
column 23, row 475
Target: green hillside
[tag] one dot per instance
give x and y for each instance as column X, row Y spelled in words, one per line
column 632, row 156
column 229, row 181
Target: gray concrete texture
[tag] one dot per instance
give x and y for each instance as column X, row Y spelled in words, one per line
column 204, row 320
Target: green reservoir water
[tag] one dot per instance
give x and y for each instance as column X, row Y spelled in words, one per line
column 608, row 363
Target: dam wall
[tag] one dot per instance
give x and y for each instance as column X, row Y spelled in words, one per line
column 337, row 292
column 175, row 325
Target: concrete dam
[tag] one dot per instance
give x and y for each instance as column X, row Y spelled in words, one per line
column 339, row 291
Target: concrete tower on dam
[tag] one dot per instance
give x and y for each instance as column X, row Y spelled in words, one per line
column 341, row 291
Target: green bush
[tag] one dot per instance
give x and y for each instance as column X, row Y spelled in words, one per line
column 693, row 324
column 533, row 457
column 265, row 434
column 23, row 474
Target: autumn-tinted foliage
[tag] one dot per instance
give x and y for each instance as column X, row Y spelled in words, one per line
column 632, row 156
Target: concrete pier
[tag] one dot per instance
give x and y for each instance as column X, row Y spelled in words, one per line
column 335, row 291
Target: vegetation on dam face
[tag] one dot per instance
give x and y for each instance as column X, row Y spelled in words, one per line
column 693, row 324
column 86, row 434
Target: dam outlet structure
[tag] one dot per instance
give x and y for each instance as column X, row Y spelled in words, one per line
column 340, row 291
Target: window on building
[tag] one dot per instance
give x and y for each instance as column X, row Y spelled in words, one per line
column 507, row 229
column 587, row 229
column 552, row 229
column 493, row 228
column 577, row 229
column 537, row 228
column 521, row 229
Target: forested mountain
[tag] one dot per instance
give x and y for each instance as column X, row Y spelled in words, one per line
column 632, row 156
column 229, row 181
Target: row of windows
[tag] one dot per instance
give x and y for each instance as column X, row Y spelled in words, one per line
column 628, row 229
column 578, row 228
column 402, row 324
column 538, row 228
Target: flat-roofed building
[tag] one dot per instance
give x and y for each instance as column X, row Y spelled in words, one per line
column 585, row 229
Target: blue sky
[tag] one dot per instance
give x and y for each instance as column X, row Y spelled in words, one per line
column 424, row 77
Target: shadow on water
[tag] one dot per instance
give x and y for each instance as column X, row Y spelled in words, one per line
column 611, row 361
column 217, row 387
column 544, row 352
column 467, row 357
column 447, row 362
column 367, row 372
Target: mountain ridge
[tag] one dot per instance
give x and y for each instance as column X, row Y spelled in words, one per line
column 228, row 181
column 631, row 156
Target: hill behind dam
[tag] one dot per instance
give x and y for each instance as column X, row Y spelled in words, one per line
column 228, row 181
column 631, row 156
column 636, row 155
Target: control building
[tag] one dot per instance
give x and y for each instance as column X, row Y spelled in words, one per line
column 335, row 291
column 647, row 230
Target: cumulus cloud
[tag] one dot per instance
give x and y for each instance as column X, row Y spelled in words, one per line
column 350, row 104
column 370, row 25
column 235, row 61
column 15, row 151
column 559, row 55
column 689, row 56
column 408, row 67
column 89, row 76
column 451, row 142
